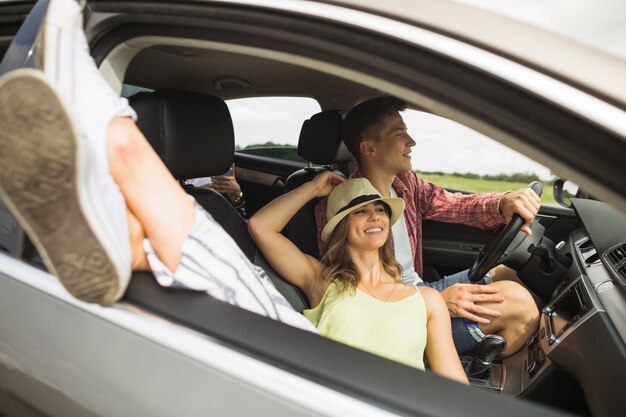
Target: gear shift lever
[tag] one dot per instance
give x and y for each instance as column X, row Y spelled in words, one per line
column 490, row 347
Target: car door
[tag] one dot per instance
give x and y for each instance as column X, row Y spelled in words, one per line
column 173, row 353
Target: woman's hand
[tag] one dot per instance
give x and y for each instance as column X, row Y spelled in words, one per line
column 326, row 182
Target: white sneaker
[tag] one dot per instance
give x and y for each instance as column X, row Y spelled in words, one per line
column 46, row 179
column 56, row 124
column 63, row 55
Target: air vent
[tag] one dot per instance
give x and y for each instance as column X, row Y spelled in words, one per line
column 586, row 246
column 593, row 258
column 617, row 255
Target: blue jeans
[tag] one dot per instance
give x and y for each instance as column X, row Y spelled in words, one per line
column 465, row 332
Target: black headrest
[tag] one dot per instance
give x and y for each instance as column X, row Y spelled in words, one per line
column 320, row 139
column 192, row 132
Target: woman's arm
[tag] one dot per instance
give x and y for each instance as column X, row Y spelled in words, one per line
column 265, row 226
column 440, row 349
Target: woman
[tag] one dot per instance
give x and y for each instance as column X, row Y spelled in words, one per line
column 355, row 291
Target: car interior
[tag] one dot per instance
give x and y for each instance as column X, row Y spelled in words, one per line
column 577, row 360
column 549, row 271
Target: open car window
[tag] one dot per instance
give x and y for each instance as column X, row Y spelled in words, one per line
column 459, row 158
column 270, row 126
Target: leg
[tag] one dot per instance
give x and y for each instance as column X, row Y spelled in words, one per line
column 137, row 235
column 155, row 198
column 519, row 319
column 71, row 122
column 504, row 273
column 52, row 184
column 449, row 280
column 87, row 187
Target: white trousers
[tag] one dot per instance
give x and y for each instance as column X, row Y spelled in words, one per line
column 212, row 262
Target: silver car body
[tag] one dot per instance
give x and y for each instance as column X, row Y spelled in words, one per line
column 63, row 357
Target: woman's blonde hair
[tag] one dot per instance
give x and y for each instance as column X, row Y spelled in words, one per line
column 338, row 267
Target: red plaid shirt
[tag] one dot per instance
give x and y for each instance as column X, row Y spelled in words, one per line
column 426, row 201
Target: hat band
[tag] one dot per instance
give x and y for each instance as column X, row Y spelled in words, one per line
column 359, row 200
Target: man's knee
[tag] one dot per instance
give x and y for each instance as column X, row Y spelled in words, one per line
column 504, row 273
column 519, row 319
column 518, row 305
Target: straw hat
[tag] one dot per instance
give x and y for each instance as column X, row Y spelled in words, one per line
column 351, row 195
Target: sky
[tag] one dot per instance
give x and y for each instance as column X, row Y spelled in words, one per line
column 443, row 145
column 599, row 23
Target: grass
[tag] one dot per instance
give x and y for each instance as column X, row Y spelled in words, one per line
column 484, row 186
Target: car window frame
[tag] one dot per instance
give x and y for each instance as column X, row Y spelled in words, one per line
column 521, row 97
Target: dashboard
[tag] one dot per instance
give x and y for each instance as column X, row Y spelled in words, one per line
column 583, row 326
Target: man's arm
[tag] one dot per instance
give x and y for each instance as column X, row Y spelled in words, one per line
column 483, row 210
column 478, row 210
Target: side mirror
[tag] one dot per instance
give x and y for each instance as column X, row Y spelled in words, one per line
column 564, row 190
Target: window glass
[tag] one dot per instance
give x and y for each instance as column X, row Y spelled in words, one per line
column 456, row 157
column 130, row 90
column 270, row 126
column 10, row 233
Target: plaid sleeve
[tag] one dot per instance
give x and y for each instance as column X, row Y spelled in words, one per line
column 477, row 210
column 320, row 221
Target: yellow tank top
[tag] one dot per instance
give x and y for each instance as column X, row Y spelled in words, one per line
column 395, row 330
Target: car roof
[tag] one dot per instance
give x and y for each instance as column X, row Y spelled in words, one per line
column 546, row 51
column 557, row 56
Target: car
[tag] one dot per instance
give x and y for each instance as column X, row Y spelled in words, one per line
column 167, row 352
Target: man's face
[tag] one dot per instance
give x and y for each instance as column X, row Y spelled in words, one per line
column 393, row 148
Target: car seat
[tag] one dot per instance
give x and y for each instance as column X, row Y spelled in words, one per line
column 320, row 143
column 193, row 134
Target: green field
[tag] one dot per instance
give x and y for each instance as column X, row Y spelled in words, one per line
column 484, row 186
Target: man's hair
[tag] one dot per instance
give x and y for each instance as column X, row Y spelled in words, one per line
column 365, row 120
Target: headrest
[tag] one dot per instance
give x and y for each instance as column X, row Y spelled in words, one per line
column 320, row 139
column 191, row 132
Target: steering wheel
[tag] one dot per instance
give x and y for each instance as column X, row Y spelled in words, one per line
column 499, row 241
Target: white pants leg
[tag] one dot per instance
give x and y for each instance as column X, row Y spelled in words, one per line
column 212, row 262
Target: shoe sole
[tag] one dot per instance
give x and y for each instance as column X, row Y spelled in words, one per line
column 40, row 167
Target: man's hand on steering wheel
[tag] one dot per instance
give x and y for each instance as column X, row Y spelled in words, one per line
column 524, row 202
column 518, row 208
column 462, row 301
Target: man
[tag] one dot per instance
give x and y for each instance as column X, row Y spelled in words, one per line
column 377, row 136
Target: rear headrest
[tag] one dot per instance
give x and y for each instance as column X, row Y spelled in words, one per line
column 320, row 139
column 192, row 132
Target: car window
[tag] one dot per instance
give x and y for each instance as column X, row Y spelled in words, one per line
column 270, row 126
column 129, row 90
column 456, row 157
